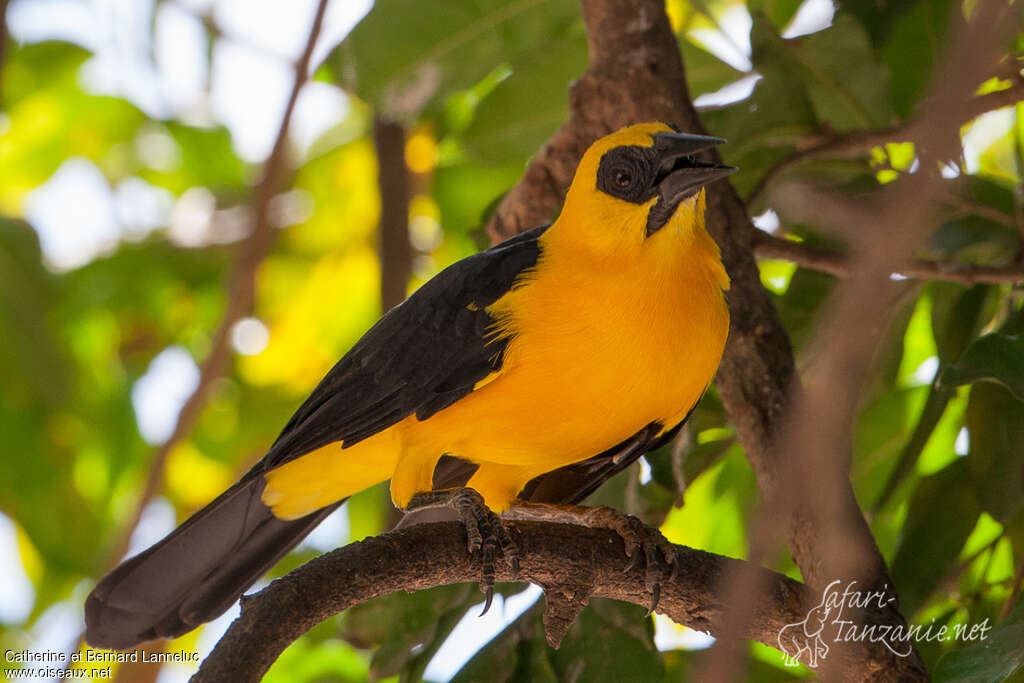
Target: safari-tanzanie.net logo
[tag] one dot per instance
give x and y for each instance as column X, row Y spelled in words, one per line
column 808, row 641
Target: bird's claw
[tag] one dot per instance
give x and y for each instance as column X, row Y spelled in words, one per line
column 486, row 539
column 660, row 559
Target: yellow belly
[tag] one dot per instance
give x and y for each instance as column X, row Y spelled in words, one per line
column 581, row 378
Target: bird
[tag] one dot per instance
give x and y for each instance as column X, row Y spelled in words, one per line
column 531, row 371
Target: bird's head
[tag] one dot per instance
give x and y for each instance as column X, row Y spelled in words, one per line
column 640, row 182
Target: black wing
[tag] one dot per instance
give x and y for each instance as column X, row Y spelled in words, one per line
column 423, row 355
column 572, row 483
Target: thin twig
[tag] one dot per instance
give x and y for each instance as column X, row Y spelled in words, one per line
column 838, row 264
column 862, row 141
column 240, row 294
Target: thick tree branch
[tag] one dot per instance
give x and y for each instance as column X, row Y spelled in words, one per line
column 554, row 556
column 241, row 292
column 838, row 264
column 861, row 142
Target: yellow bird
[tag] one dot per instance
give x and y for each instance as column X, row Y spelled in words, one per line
column 537, row 368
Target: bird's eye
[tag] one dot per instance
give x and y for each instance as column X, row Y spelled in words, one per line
column 627, row 173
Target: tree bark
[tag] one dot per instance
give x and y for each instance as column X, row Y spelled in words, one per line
column 559, row 558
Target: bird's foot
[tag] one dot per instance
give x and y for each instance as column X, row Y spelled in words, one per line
column 641, row 541
column 486, row 536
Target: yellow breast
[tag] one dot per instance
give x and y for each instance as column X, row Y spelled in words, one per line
column 597, row 351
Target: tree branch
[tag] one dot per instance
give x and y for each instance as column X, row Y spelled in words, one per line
column 393, row 183
column 861, row 142
column 838, row 264
column 553, row 556
column 241, row 292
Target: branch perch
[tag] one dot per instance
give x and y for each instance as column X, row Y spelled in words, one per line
column 427, row 555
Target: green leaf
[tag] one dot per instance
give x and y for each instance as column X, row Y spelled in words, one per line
column 800, row 306
column 882, row 428
column 464, row 191
column 835, row 70
column 934, row 408
column 780, row 104
column 28, row 65
column 847, row 84
column 705, row 73
column 999, row 657
column 910, row 37
column 30, row 353
column 995, row 358
column 526, row 108
column 995, row 420
column 941, row 516
column 207, row 160
column 610, row 641
column 434, row 49
column 980, row 226
column 957, row 315
column 399, row 623
column 779, row 12
column 56, row 120
column 702, row 456
column 306, row 660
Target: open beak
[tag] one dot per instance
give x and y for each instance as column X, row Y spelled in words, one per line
column 679, row 175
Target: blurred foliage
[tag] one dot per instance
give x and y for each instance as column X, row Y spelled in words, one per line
column 939, row 442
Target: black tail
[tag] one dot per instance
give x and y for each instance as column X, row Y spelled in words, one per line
column 195, row 573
